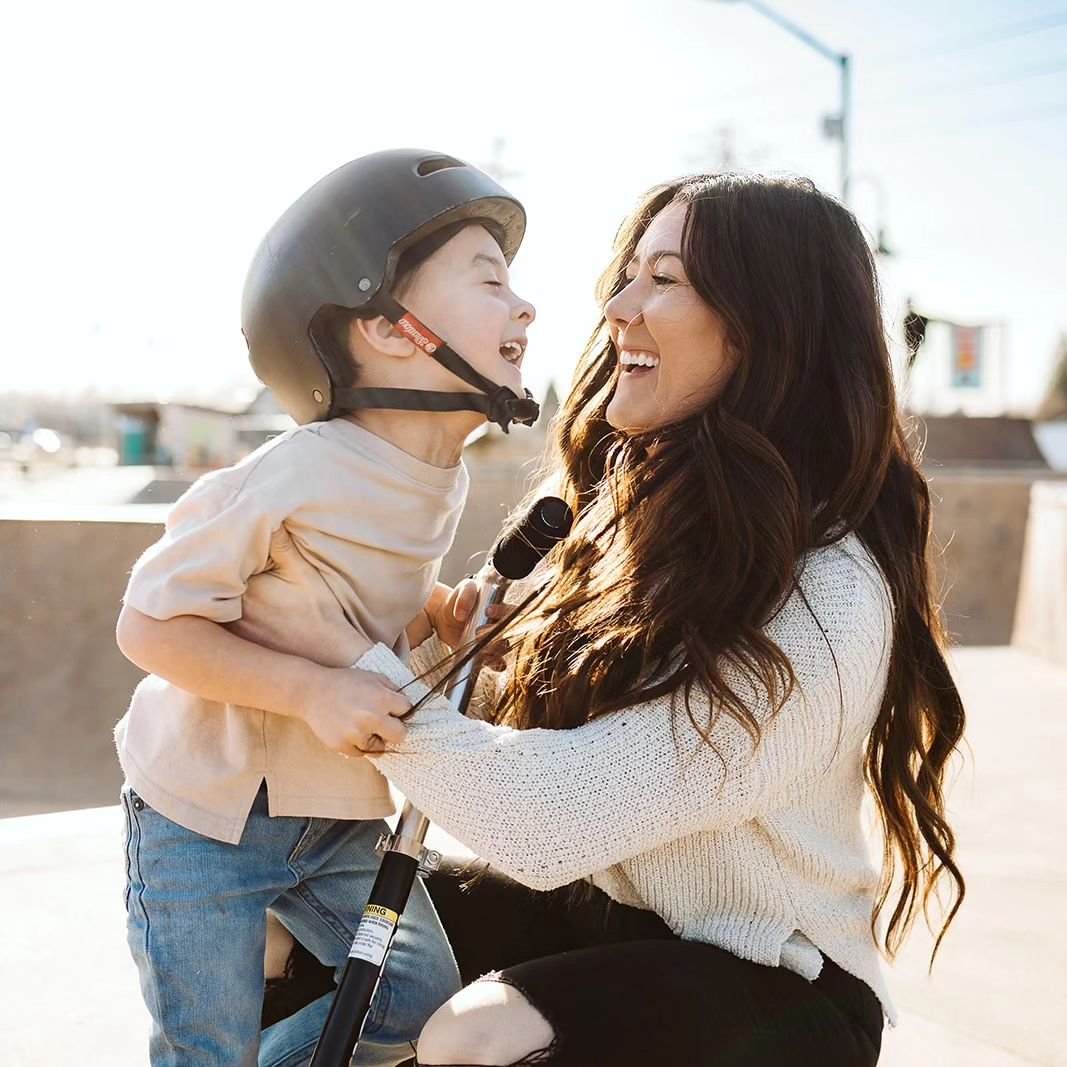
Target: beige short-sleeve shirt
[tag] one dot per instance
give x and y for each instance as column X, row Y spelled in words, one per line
column 374, row 522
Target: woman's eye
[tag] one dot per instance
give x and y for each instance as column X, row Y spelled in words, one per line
column 662, row 279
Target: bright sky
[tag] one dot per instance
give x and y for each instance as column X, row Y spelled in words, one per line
column 150, row 146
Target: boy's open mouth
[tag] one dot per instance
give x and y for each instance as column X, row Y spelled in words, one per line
column 511, row 351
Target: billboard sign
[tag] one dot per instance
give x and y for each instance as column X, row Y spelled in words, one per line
column 966, row 357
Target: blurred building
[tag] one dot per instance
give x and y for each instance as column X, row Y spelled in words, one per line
column 990, row 443
column 195, row 436
column 179, row 435
column 191, row 438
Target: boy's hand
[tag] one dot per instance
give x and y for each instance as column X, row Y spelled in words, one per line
column 354, row 712
column 450, row 621
column 450, row 610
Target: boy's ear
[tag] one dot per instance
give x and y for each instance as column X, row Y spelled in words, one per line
column 382, row 336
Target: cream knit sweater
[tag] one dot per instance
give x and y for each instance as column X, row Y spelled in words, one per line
column 760, row 852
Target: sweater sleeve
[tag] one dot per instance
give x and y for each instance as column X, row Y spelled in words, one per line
column 427, row 657
column 549, row 806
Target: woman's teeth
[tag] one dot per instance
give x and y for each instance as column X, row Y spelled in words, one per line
column 638, row 359
column 511, row 351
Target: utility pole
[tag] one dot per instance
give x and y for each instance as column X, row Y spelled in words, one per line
column 839, row 126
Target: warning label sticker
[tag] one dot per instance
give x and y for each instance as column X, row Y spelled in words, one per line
column 375, row 931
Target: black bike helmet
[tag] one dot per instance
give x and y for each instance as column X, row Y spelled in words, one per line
column 338, row 246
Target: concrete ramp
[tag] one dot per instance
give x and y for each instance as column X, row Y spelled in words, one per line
column 1041, row 612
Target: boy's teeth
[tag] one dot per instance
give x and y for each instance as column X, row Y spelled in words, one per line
column 511, row 351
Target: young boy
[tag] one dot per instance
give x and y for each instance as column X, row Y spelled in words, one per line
column 245, row 783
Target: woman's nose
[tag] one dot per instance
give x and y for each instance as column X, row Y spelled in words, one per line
column 622, row 308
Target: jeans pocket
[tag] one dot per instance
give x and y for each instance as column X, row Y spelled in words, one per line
column 132, row 807
column 127, row 843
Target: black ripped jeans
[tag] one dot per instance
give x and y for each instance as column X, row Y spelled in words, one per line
column 618, row 987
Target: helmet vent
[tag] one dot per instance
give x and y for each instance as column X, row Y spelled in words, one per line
column 434, row 164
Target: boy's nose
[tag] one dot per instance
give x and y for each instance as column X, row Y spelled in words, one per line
column 524, row 311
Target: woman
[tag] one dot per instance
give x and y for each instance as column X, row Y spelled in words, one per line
column 739, row 631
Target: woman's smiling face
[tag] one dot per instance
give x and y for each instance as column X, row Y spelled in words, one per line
column 673, row 359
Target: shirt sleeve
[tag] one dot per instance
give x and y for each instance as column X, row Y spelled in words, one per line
column 550, row 806
column 216, row 537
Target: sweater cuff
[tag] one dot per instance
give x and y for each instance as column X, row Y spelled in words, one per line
column 380, row 660
column 431, row 660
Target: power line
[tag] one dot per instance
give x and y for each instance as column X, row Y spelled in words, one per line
column 1051, row 111
column 946, row 89
column 757, row 93
column 938, row 91
column 1003, row 33
column 918, row 131
column 915, row 131
column 766, row 93
column 1021, row 73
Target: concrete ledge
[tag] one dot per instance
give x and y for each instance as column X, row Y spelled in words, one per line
column 979, row 526
column 40, row 512
column 63, row 682
column 1041, row 615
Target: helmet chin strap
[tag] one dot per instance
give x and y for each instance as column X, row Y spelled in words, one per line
column 496, row 402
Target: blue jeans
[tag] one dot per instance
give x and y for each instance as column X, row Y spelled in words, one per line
column 196, row 925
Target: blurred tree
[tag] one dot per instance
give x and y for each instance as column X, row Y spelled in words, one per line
column 1054, row 406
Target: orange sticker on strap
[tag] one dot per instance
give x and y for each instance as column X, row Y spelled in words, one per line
column 418, row 334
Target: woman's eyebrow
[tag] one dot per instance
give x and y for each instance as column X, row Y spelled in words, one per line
column 664, row 253
column 654, row 257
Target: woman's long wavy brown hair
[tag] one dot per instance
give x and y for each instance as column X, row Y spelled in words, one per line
column 687, row 537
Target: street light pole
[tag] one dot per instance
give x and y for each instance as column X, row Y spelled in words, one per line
column 882, row 242
column 840, row 126
column 845, row 63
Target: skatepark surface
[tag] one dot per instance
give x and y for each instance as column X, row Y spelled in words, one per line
column 996, row 997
